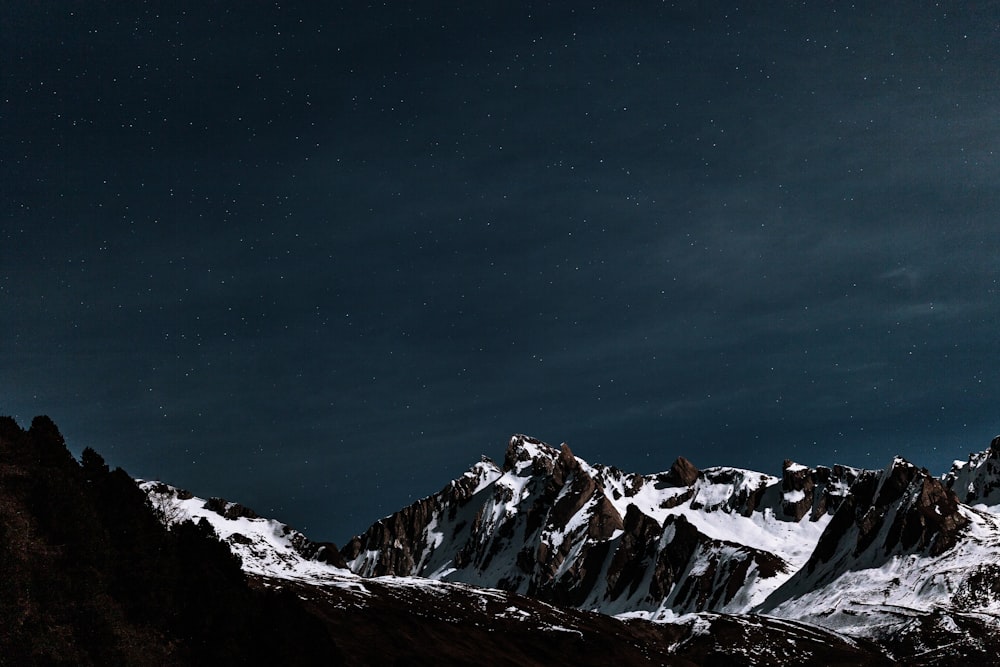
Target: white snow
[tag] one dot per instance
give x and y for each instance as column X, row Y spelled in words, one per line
column 794, row 496
column 560, row 628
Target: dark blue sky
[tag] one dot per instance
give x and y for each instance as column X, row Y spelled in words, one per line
column 318, row 260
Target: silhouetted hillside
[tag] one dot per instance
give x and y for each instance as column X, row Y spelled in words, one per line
column 91, row 577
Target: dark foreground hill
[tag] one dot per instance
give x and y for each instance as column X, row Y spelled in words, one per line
column 91, row 577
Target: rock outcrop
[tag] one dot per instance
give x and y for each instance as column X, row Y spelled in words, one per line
column 813, row 492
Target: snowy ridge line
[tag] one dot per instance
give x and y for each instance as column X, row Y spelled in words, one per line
column 814, row 544
column 266, row 547
column 891, row 555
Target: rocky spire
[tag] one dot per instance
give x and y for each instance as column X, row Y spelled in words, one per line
column 682, row 472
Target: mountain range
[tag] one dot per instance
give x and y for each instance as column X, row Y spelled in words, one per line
column 894, row 557
column 546, row 558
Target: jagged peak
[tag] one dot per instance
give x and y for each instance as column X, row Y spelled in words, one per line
column 903, row 478
column 898, row 461
column 567, row 461
column 682, row 472
column 894, row 481
column 526, row 448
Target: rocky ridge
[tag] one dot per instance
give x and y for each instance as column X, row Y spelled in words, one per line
column 549, row 525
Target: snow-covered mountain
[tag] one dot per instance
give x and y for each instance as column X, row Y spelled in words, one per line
column 549, row 525
column 457, row 620
column 889, row 556
column 892, row 555
column 98, row 570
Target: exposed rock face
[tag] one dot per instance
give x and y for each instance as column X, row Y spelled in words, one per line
column 798, row 484
column 635, row 552
column 229, row 510
column 852, row 512
column 520, row 449
column 920, row 512
column 323, row 552
column 159, row 488
column 723, row 572
column 932, row 520
column 682, row 472
column 747, row 490
column 835, row 483
column 577, row 497
column 400, row 541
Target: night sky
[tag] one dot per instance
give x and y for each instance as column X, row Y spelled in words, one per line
column 318, row 260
